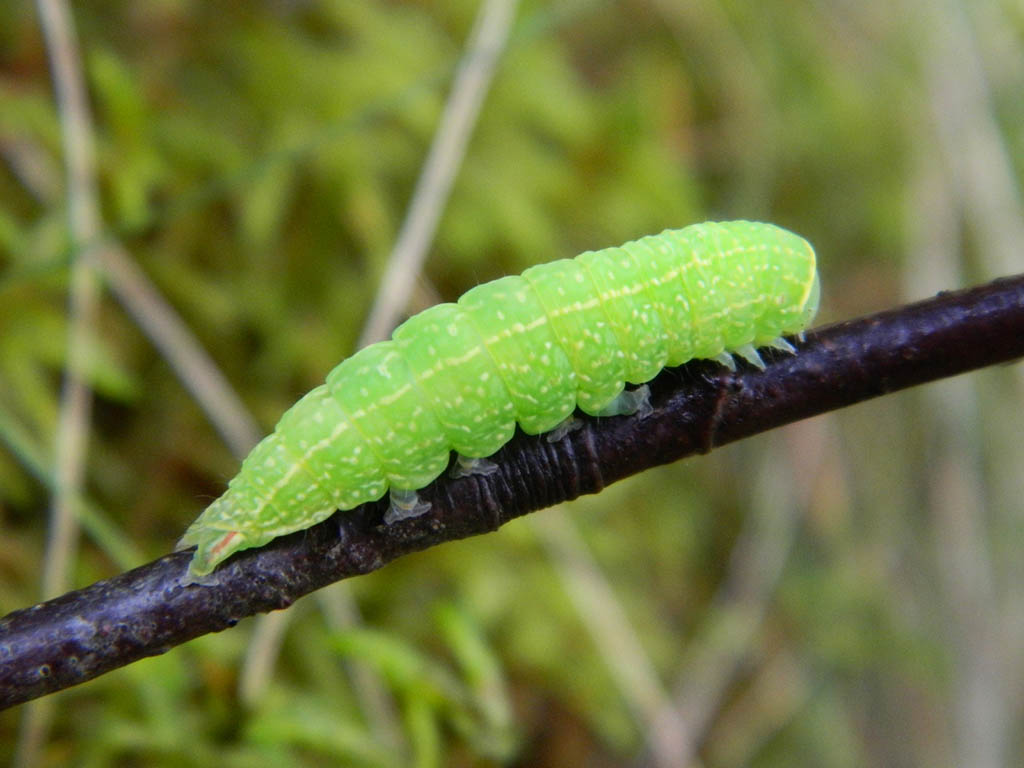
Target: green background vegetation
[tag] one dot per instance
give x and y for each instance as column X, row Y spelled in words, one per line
column 848, row 591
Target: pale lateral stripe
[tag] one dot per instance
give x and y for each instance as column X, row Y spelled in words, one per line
column 298, row 465
column 389, row 399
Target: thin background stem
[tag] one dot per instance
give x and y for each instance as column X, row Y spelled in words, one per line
column 84, row 225
column 84, row 291
column 181, row 349
column 472, row 81
column 729, row 634
column 615, row 638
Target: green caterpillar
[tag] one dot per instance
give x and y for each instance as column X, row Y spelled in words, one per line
column 526, row 349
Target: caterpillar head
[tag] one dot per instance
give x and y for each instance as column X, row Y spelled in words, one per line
column 810, row 308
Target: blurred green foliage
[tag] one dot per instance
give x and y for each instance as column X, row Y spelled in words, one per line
column 257, row 160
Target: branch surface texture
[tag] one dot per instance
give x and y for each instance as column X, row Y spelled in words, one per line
column 697, row 407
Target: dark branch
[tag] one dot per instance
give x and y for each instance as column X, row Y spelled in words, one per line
column 697, row 407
